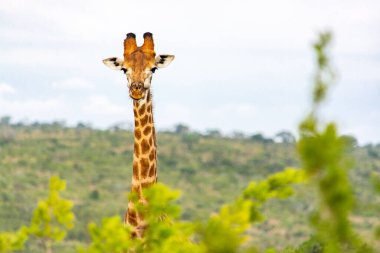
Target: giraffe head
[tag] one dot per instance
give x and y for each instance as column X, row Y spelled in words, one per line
column 139, row 64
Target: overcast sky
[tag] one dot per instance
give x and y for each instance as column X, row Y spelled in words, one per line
column 240, row 65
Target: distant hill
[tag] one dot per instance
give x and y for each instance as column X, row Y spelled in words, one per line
column 209, row 169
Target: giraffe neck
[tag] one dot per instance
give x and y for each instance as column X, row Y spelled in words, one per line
column 144, row 156
column 144, row 159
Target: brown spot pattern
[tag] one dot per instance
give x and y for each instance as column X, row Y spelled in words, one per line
column 137, row 150
column 138, row 134
column 152, row 170
column 132, row 217
column 142, row 109
column 144, row 120
column 151, row 155
column 144, row 166
column 144, row 146
column 136, row 188
column 147, row 130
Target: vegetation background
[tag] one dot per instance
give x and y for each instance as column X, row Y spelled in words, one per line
column 209, row 169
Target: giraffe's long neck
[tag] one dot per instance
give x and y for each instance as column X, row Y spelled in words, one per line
column 144, row 158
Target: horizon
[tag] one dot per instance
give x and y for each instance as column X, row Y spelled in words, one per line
column 128, row 126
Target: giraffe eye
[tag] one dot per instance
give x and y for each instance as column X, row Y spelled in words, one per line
column 124, row 70
column 153, row 69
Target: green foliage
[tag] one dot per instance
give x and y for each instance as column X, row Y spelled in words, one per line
column 162, row 198
column 376, row 185
column 53, row 216
column 97, row 167
column 225, row 232
column 222, row 232
column 324, row 75
column 111, row 237
column 278, row 185
column 13, row 241
column 51, row 219
column 312, row 245
column 165, row 233
column 323, row 155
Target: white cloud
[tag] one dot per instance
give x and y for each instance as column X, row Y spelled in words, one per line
column 73, row 84
column 168, row 114
column 44, row 109
column 233, row 110
column 96, row 109
column 101, row 105
column 6, row 89
column 226, row 117
column 43, row 57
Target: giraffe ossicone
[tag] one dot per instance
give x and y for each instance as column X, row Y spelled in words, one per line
column 138, row 65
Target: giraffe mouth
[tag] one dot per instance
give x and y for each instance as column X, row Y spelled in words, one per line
column 137, row 92
column 137, row 96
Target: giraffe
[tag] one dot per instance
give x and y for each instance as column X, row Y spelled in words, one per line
column 138, row 65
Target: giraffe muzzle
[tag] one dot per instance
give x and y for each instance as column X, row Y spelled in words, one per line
column 137, row 91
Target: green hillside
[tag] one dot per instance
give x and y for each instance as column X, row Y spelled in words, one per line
column 209, row 169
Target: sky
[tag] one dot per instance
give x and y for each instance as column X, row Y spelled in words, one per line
column 240, row 65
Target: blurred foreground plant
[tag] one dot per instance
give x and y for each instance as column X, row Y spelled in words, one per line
column 53, row 216
column 51, row 219
column 10, row 241
column 166, row 233
column 376, row 185
column 225, row 231
column 324, row 157
column 222, row 232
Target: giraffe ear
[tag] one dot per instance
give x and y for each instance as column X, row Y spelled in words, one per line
column 114, row 63
column 164, row 60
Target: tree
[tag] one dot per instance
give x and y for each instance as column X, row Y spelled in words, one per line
column 260, row 138
column 213, row 133
column 285, row 137
column 351, row 140
column 238, row 135
column 5, row 120
column 181, row 129
column 82, row 125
